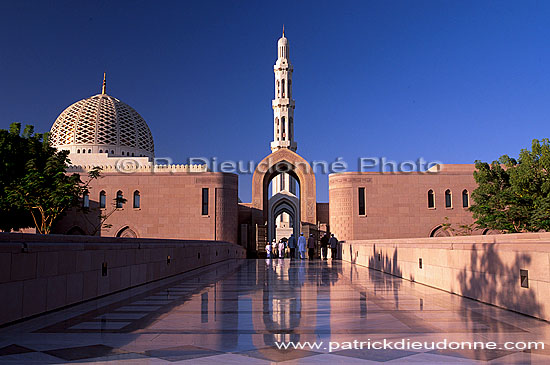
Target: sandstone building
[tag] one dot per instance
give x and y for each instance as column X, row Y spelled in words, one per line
column 190, row 202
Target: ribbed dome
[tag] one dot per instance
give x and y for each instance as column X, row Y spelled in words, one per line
column 102, row 124
column 282, row 46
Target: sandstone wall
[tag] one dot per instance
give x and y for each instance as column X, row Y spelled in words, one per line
column 396, row 204
column 485, row 268
column 170, row 206
column 39, row 273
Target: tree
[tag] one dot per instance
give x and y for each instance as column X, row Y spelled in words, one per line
column 15, row 150
column 40, row 185
column 514, row 195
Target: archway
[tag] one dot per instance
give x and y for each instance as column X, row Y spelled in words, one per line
column 283, row 187
column 438, row 231
column 285, row 161
column 126, row 232
column 280, row 203
column 488, row 232
column 76, row 230
column 276, row 232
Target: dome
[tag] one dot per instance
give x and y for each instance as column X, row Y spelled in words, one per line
column 102, row 124
column 282, row 46
column 283, row 41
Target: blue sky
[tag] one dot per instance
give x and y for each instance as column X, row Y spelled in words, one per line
column 452, row 81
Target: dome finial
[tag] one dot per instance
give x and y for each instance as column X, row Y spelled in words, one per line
column 283, row 30
column 104, row 84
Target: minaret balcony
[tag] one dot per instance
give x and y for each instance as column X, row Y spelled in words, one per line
column 283, row 101
column 283, row 66
column 275, row 145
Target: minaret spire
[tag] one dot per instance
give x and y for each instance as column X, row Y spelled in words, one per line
column 104, row 88
column 283, row 104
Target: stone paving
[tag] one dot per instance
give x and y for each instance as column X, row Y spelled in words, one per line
column 236, row 311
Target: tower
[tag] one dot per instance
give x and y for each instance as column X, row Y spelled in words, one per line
column 283, row 121
column 283, row 104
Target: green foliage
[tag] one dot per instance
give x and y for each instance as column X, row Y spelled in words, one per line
column 35, row 190
column 514, row 195
column 15, row 151
column 460, row 230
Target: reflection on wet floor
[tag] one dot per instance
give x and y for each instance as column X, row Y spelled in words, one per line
column 235, row 311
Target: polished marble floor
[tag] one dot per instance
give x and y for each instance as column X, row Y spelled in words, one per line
column 235, row 312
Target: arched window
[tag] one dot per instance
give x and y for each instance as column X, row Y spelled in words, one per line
column 283, row 87
column 112, row 152
column 86, row 200
column 431, row 199
column 278, row 89
column 283, row 130
column 465, row 198
column 119, row 199
column 448, row 199
column 122, row 153
column 136, row 199
column 83, row 151
column 100, row 151
column 77, row 151
column 132, row 154
column 89, row 151
column 102, row 199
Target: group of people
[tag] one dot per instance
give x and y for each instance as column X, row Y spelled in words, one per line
column 277, row 250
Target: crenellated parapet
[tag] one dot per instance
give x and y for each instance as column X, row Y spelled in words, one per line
column 127, row 166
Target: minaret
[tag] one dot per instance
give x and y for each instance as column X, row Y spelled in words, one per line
column 283, row 120
column 283, row 104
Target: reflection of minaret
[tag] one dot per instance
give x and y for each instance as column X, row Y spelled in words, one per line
column 283, row 120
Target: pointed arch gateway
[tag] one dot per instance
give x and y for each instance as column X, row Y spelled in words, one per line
column 287, row 161
column 126, row 231
column 283, row 202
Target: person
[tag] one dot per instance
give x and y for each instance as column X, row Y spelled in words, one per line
column 324, row 246
column 311, row 246
column 302, row 246
column 268, row 250
column 274, row 248
column 281, row 249
column 333, row 247
column 292, row 246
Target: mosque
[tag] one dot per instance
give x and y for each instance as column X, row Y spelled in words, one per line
column 191, row 202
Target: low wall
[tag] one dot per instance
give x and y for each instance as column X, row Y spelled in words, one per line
column 39, row 273
column 490, row 269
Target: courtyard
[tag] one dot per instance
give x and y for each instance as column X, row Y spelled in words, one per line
column 240, row 311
